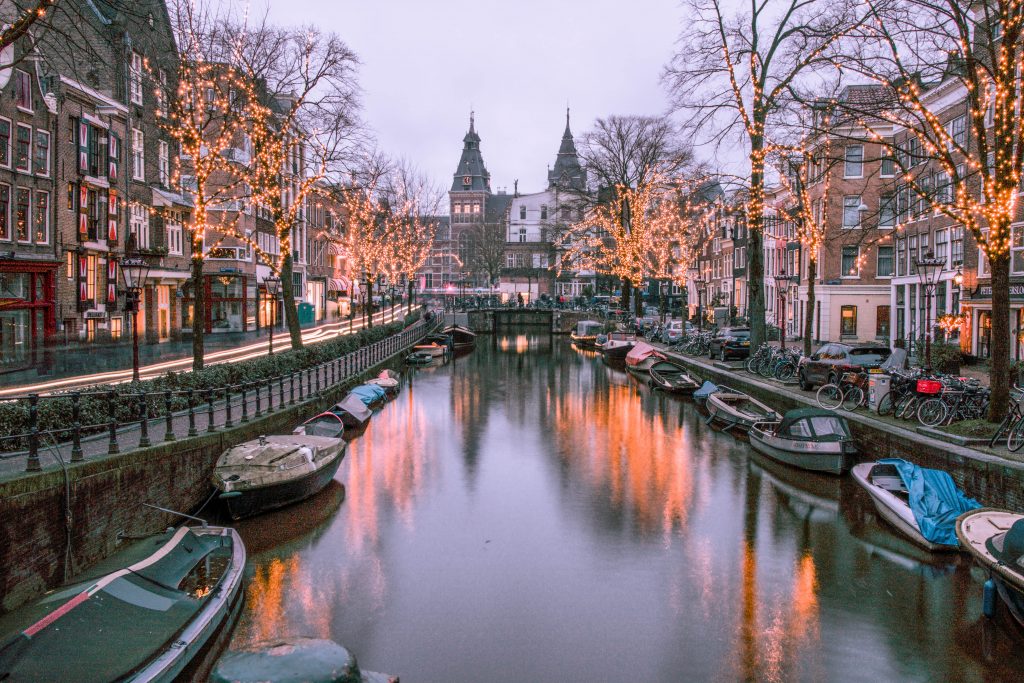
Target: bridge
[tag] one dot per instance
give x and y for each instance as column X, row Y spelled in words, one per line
column 498, row 320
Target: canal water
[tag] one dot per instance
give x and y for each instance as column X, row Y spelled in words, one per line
column 527, row 513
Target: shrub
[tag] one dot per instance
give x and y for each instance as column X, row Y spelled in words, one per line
column 946, row 358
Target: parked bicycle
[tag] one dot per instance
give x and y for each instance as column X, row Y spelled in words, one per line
column 850, row 392
column 1012, row 426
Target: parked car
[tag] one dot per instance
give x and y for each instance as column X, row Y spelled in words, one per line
column 731, row 342
column 832, row 360
column 673, row 331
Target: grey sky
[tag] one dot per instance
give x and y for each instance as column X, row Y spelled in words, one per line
column 517, row 63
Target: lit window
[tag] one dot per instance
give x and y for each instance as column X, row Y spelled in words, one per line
column 23, row 148
column 41, row 221
column 41, row 153
column 850, row 265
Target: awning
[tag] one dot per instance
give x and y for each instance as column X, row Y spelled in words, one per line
column 338, row 284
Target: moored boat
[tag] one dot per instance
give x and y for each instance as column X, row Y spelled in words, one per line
column 672, row 377
column 370, row 394
column 617, row 345
column 388, row 381
column 419, row 358
column 922, row 504
column 325, row 424
column 641, row 358
column 995, row 539
column 462, row 338
column 700, row 396
column 586, row 333
column 274, row 471
column 811, row 439
column 144, row 617
column 433, row 349
column 734, row 409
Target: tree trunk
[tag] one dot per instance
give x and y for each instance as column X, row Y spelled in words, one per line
column 198, row 308
column 627, row 289
column 638, row 303
column 291, row 313
column 999, row 375
column 409, row 303
column 812, row 273
column 369, row 304
column 755, row 241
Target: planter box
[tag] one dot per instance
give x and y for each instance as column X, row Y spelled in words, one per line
column 969, row 441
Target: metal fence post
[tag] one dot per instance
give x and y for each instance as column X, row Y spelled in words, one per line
column 209, row 411
column 270, row 395
column 33, row 464
column 144, row 422
column 245, row 403
column 280, row 391
column 258, row 411
column 76, row 427
column 291, row 385
column 112, row 448
column 316, row 372
column 192, row 431
column 169, row 428
column 228, row 424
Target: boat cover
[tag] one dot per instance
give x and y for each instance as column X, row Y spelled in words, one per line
column 934, row 499
column 640, row 352
column 354, row 406
column 585, row 328
column 368, row 393
column 817, row 423
column 705, row 390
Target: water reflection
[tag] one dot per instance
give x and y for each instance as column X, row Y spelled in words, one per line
column 526, row 512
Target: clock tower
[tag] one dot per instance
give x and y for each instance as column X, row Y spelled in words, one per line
column 469, row 198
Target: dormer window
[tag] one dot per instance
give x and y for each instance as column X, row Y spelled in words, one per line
column 23, row 90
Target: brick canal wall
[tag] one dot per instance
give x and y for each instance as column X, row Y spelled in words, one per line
column 992, row 480
column 41, row 538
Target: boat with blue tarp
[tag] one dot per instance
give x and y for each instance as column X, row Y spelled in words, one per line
column 369, row 394
column 995, row 539
column 923, row 504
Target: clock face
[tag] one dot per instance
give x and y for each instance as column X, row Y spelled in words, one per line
column 467, row 180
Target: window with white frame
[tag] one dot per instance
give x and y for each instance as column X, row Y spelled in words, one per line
column 161, row 94
column 164, row 164
column 850, row 263
column 942, row 245
column 1017, row 249
column 41, row 153
column 983, row 265
column 22, row 90
column 41, row 219
column 23, row 149
column 901, row 257
column 522, row 234
column 138, row 155
column 138, row 226
column 888, row 165
column 174, row 239
column 887, row 211
column 957, row 129
column 956, row 246
column 854, row 162
column 851, row 211
column 522, row 212
column 135, row 79
column 884, row 265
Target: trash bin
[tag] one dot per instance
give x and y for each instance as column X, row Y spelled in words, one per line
column 878, row 386
column 307, row 314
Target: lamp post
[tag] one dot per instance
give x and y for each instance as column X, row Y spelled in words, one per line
column 929, row 270
column 781, row 286
column 367, row 294
column 273, row 285
column 702, row 286
column 134, row 272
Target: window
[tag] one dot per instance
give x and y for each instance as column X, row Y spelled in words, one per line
column 957, row 129
column 942, row 245
column 42, row 217
column 5, row 212
column 882, row 316
column 887, row 211
column 41, row 153
column 888, row 168
column 138, row 226
column 135, row 79
column 1017, row 250
column 522, row 212
column 848, row 321
column 565, row 213
column 161, row 94
column 912, row 263
column 851, row 211
column 174, row 239
column 914, row 152
column 956, row 251
column 943, row 188
column 543, row 213
column 884, row 261
column 22, row 207
column 23, row 148
column 522, row 234
column 138, row 155
column 850, row 257
column 5, row 143
column 854, row 167
column 22, row 90
column 164, row 164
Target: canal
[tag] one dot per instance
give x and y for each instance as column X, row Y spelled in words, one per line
column 526, row 513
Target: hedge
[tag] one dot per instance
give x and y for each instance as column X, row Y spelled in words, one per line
column 55, row 414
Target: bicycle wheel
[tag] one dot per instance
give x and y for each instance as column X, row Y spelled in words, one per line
column 852, row 398
column 885, row 404
column 1015, row 440
column 830, row 396
column 932, row 412
column 906, row 407
column 752, row 364
column 765, row 368
column 785, row 372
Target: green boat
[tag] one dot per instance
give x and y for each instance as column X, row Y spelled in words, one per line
column 142, row 615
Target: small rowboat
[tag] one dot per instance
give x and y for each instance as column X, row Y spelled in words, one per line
column 618, row 345
column 808, row 438
column 995, row 539
column 922, row 504
column 350, row 411
column 672, row 377
column 418, row 358
column 274, row 471
column 641, row 358
column 734, row 409
column 433, row 349
column 386, row 380
column 167, row 598
column 463, row 339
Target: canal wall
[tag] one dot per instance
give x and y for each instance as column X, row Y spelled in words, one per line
column 58, row 522
column 992, row 480
column 491, row 320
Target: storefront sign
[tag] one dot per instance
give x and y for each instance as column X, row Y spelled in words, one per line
column 985, row 292
column 95, row 315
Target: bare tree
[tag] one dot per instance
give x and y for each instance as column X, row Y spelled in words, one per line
column 732, row 78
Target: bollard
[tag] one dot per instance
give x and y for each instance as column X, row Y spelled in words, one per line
column 169, row 428
column 228, row 424
column 245, row 403
column 210, row 427
column 112, row 412
column 192, row 431
column 76, row 428
column 33, row 464
column 144, row 422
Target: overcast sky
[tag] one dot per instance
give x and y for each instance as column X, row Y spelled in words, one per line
column 517, row 63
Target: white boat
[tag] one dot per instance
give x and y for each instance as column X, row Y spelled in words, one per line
column 808, row 438
column 889, row 495
column 641, row 358
column 433, row 349
column 617, row 345
column 586, row 333
column 995, row 539
column 735, row 409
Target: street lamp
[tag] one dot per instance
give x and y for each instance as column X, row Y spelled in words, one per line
column 781, row 287
column 929, row 270
column 134, row 272
column 272, row 284
column 702, row 286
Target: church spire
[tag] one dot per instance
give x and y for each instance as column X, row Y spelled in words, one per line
column 471, row 174
column 567, row 173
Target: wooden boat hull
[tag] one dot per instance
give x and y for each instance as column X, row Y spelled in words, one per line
column 256, row 501
column 894, row 511
column 720, row 410
column 672, row 378
column 827, row 458
column 643, row 368
column 617, row 352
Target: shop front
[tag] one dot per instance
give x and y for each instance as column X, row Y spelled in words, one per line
column 979, row 305
column 228, row 298
column 27, row 311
